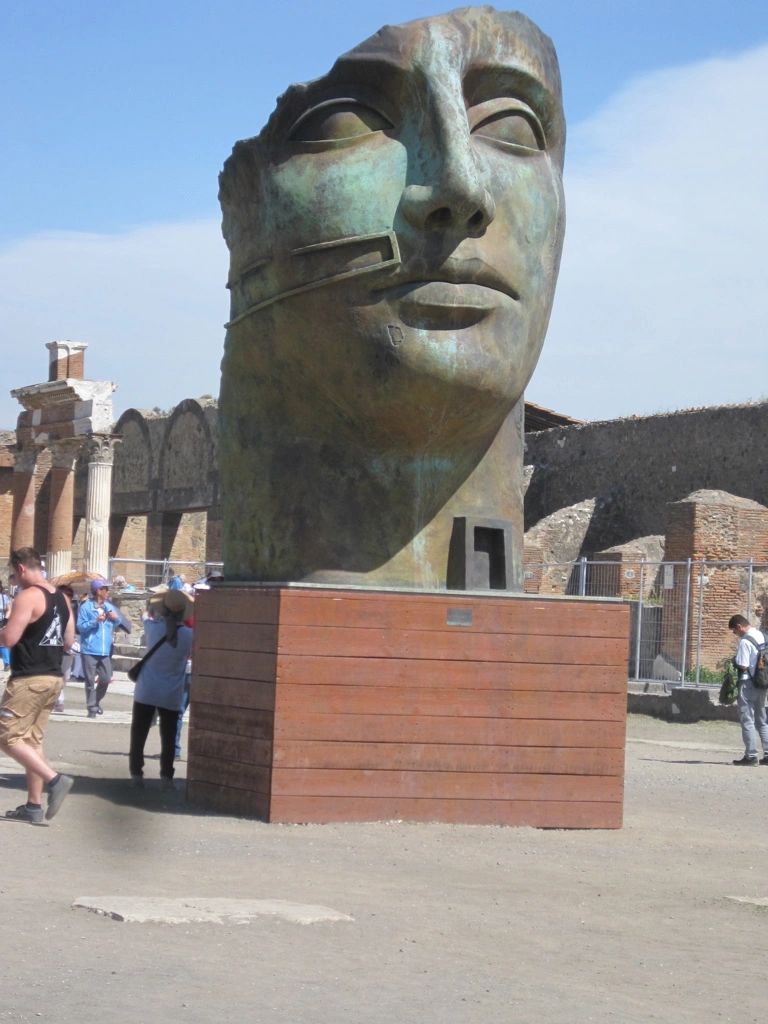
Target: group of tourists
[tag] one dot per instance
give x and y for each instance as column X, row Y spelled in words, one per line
column 37, row 628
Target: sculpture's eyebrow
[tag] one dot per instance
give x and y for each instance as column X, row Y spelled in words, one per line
column 370, row 70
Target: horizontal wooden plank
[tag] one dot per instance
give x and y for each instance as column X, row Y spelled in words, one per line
column 235, row 636
column 220, row 717
column 444, row 785
column 401, row 700
column 241, row 604
column 485, row 675
column 434, row 612
column 436, row 729
column 228, row 747
column 378, row 643
column 236, row 664
column 535, row 813
column 448, row 757
column 228, row 800
column 233, row 692
column 219, row 772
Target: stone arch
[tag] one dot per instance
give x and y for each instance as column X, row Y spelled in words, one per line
column 186, row 467
column 132, row 473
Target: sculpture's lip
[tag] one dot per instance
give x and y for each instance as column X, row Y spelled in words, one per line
column 455, row 282
column 444, row 305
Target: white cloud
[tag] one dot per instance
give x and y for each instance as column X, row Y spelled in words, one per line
column 661, row 302
column 662, row 294
column 150, row 302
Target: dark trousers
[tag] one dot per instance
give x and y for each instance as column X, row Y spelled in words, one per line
column 141, row 722
column 97, row 672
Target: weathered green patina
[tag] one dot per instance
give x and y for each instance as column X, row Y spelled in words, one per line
column 395, row 235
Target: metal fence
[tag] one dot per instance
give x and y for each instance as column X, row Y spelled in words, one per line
column 679, row 610
column 145, row 573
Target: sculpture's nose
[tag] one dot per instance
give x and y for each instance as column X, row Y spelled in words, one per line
column 448, row 194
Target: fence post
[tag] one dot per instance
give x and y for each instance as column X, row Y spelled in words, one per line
column 639, row 626
column 701, row 620
column 583, row 576
column 686, row 613
column 749, row 589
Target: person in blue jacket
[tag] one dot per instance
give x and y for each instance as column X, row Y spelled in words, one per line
column 96, row 622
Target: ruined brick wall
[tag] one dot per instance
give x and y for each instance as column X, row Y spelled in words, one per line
column 710, row 527
column 622, row 571
column 189, row 543
column 555, row 541
column 213, row 535
column 128, row 540
column 632, row 468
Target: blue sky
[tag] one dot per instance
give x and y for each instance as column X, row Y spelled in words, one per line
column 116, row 119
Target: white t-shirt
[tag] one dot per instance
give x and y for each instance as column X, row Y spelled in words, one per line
column 746, row 653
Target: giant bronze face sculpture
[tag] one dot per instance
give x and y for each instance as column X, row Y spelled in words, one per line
column 395, row 233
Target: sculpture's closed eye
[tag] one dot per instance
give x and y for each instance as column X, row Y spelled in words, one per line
column 514, row 126
column 338, row 120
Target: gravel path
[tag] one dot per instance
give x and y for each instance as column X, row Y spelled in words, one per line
column 450, row 924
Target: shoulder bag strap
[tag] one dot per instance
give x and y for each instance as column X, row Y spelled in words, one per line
column 140, row 665
column 758, row 647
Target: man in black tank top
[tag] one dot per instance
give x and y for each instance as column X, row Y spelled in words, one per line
column 40, row 628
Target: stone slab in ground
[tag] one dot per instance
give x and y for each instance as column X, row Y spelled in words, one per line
column 213, row 910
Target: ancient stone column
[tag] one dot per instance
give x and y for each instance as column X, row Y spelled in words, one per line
column 101, row 449
column 23, row 528
column 61, row 513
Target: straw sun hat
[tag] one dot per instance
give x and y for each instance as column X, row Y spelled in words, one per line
column 175, row 601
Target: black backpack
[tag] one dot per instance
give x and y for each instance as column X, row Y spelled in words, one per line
column 760, row 678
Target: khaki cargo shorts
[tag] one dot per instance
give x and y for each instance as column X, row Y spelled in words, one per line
column 26, row 707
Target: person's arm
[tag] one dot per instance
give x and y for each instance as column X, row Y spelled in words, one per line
column 113, row 615
column 69, row 629
column 24, row 607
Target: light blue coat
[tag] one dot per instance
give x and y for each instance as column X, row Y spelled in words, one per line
column 95, row 636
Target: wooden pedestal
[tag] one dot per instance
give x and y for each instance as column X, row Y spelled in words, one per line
column 324, row 704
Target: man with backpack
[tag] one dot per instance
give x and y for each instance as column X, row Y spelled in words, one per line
column 753, row 680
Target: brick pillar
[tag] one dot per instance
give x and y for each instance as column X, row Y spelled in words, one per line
column 66, row 359
column 101, row 452
column 715, row 530
column 23, row 525
column 61, row 515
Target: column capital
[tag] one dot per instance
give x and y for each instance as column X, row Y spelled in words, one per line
column 101, row 448
column 64, row 452
column 25, row 459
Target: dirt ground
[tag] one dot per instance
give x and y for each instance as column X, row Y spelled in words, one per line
column 466, row 924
